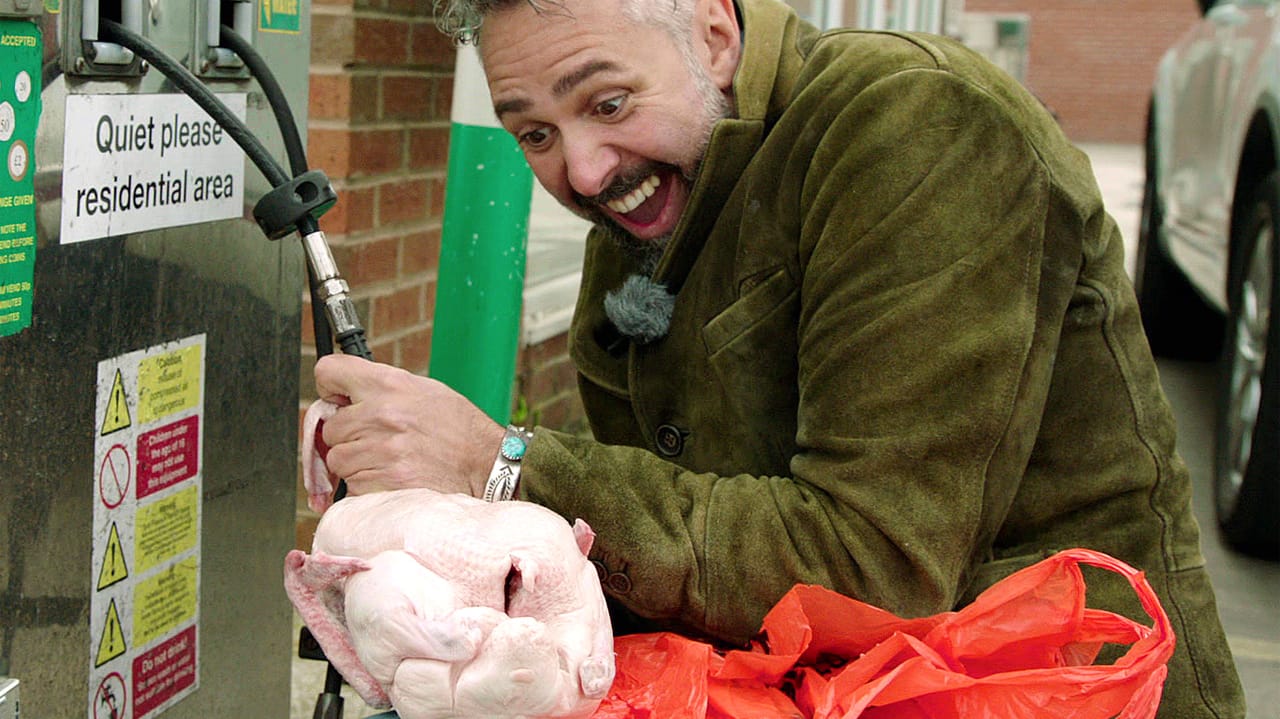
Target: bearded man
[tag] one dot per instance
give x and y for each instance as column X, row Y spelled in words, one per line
column 852, row 314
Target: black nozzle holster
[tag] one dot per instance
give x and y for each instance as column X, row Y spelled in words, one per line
column 280, row 211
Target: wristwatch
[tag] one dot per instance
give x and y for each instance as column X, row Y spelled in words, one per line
column 505, row 474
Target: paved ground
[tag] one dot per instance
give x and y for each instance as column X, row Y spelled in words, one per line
column 1120, row 176
column 1249, row 591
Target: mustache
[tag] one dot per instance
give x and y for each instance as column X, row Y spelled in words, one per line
column 624, row 183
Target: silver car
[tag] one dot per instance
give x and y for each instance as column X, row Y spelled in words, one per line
column 1207, row 260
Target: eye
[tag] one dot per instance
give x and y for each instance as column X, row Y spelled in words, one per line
column 611, row 107
column 535, row 139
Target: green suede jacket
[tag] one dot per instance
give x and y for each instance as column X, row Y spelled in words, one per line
column 905, row 360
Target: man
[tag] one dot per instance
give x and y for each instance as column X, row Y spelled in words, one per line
column 852, row 314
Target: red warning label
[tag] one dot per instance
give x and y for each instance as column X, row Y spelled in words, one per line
column 167, row 455
column 162, row 672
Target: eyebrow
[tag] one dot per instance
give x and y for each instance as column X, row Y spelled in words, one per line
column 562, row 87
column 519, row 105
column 565, row 84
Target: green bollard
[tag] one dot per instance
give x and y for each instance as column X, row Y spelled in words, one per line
column 479, row 292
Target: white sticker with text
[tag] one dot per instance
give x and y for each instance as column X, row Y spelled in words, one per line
column 143, row 162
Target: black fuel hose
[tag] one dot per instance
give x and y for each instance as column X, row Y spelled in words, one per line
column 329, row 702
column 353, row 340
column 296, row 152
column 261, row 72
column 112, row 31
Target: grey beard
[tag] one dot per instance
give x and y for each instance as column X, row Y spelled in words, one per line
column 640, row 309
column 645, row 253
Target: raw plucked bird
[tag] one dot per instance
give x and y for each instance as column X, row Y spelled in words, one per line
column 443, row 605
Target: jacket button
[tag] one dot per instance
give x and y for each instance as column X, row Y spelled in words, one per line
column 618, row 582
column 670, row 440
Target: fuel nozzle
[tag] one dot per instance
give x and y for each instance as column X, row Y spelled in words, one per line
column 332, row 291
column 295, row 205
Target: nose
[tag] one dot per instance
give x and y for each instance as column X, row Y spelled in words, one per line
column 590, row 161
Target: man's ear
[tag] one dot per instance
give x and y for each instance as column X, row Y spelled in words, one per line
column 716, row 25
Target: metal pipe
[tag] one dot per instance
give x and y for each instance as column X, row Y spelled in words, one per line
column 89, row 20
column 213, row 22
column 242, row 19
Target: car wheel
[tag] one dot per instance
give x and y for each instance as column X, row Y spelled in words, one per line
column 1247, row 453
column 1179, row 324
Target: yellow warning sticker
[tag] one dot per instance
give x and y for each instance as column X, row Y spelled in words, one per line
column 117, row 415
column 114, row 568
column 164, row 602
column 168, row 383
column 166, row 528
column 111, row 645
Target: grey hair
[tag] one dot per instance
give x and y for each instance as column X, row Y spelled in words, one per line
column 461, row 19
column 673, row 16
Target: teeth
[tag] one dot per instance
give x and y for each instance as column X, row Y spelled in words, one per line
column 636, row 197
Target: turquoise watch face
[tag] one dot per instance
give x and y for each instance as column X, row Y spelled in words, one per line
column 512, row 448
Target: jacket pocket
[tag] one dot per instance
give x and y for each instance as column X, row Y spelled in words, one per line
column 754, row 307
column 751, row 349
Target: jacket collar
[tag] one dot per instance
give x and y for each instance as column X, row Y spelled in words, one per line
column 771, row 57
column 762, row 86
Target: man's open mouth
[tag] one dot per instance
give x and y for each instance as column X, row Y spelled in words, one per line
column 643, row 205
column 636, row 197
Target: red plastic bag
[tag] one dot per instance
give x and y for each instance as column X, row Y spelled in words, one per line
column 1023, row 648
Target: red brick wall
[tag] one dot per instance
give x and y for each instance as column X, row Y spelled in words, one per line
column 381, row 88
column 1093, row 61
column 547, row 387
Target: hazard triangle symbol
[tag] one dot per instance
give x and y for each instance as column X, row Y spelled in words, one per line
column 117, row 416
column 111, row 645
column 113, row 567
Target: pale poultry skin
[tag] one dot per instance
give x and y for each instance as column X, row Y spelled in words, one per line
column 445, row 606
